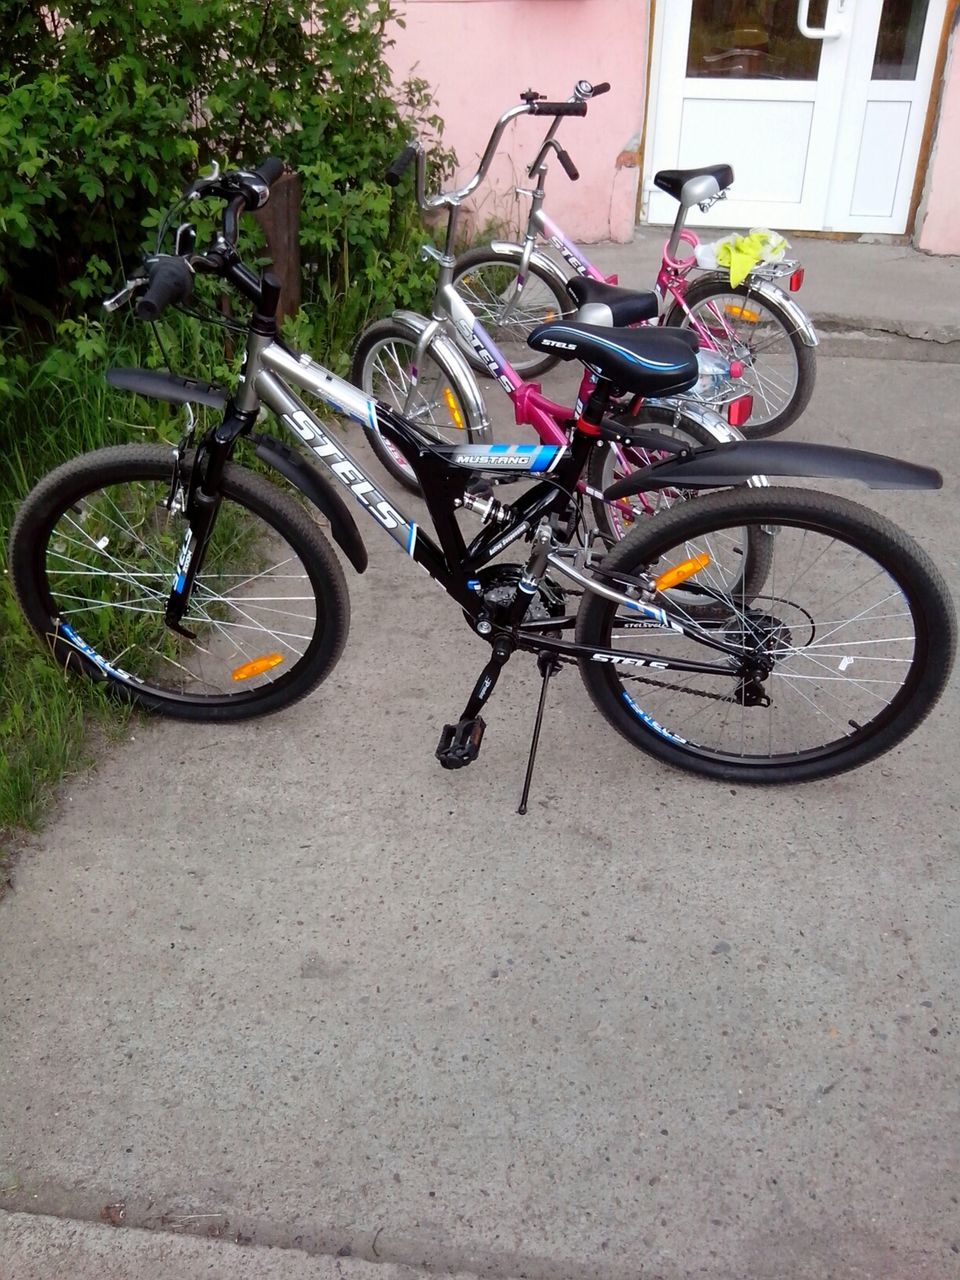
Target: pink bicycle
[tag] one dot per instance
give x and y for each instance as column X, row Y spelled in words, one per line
column 414, row 364
column 513, row 287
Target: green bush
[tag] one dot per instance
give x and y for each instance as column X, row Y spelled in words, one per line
column 106, row 112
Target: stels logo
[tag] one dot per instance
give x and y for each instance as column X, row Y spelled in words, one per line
column 488, row 360
column 345, row 471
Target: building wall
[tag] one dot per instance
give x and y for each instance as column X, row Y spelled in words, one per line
column 479, row 55
column 940, row 211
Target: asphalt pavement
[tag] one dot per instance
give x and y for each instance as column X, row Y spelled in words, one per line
column 292, row 985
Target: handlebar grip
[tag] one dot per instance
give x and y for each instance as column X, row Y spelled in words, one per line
column 171, row 281
column 558, row 108
column 400, row 165
column 600, row 88
column 270, row 170
column 569, row 168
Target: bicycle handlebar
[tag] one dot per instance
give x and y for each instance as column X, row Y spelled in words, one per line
column 575, row 106
column 569, row 168
column 578, row 108
column 583, row 90
column 168, row 278
column 171, row 281
column 400, row 164
column 270, row 170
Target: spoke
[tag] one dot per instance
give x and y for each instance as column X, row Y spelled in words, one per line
column 87, row 540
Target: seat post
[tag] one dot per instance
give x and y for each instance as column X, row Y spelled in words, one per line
column 673, row 245
column 595, row 408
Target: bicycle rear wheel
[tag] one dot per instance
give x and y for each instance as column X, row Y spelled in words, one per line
column 780, row 370
column 93, row 557
column 841, row 655
column 610, row 463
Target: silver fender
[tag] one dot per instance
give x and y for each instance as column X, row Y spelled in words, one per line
column 702, row 414
column 770, row 293
column 478, row 423
column 514, row 252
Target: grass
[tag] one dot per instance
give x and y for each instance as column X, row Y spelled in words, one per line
column 61, row 406
column 55, row 404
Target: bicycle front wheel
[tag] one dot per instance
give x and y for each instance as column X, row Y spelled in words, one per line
column 780, row 370
column 385, row 367
column 840, row 655
column 510, row 307
column 93, row 557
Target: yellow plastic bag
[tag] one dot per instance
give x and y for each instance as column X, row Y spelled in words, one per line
column 740, row 254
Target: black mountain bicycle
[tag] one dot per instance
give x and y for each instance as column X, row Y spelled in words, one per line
column 757, row 634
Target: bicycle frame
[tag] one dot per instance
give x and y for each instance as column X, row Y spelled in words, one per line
column 673, row 276
column 551, row 421
column 443, row 472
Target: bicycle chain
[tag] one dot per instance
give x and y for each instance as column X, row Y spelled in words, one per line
column 681, row 688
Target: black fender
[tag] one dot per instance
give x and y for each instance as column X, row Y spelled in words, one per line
column 315, row 486
column 174, row 389
column 735, row 463
column 156, row 384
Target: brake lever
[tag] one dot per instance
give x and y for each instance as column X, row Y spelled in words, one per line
column 126, row 293
column 200, row 184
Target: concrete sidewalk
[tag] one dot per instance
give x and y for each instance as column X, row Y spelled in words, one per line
column 291, row 983
column 872, row 292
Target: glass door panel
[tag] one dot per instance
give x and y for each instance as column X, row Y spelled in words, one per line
column 752, row 40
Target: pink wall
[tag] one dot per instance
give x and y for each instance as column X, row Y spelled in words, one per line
column 480, row 54
column 940, row 212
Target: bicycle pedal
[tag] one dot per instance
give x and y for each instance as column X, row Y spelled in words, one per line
column 460, row 743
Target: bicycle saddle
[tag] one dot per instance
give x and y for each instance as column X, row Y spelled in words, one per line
column 672, row 181
column 648, row 362
column 622, row 306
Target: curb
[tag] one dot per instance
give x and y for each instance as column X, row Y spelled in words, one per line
column 39, row 1247
column 846, row 337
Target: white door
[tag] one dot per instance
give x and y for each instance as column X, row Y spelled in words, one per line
column 818, row 104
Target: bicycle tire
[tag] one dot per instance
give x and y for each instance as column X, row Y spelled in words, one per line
column 60, row 570
column 673, row 709
column 378, row 369
column 550, row 302
column 763, row 422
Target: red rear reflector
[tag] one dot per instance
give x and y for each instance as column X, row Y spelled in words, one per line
column 736, row 368
column 796, row 279
column 739, row 410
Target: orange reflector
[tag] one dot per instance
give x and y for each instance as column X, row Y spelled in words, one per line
column 258, row 666
column 686, row 569
column 551, row 315
column 456, row 417
column 738, row 312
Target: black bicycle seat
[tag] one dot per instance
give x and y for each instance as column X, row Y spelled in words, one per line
column 626, row 306
column 648, row 362
column 671, row 180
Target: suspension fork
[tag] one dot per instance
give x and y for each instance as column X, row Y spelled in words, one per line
column 200, row 511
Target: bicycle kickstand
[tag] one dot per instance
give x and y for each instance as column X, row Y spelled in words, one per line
column 547, row 666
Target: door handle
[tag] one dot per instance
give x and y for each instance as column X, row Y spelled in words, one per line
column 812, row 33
